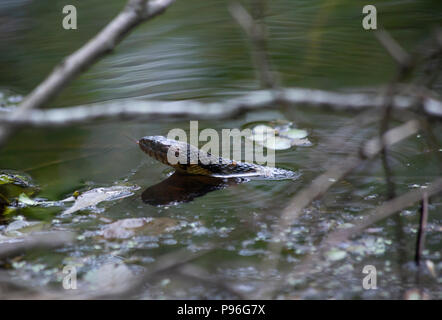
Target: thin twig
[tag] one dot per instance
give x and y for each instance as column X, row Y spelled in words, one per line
column 257, row 34
column 310, row 263
column 405, row 63
column 422, row 226
column 395, row 50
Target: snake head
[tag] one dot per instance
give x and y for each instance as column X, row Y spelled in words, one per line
column 164, row 150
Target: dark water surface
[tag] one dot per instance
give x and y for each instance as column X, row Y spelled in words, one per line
column 197, row 51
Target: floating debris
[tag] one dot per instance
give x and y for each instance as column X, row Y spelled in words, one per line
column 14, row 183
column 111, row 278
column 278, row 135
column 9, row 100
column 335, row 254
column 126, row 228
column 416, row 294
column 91, row 198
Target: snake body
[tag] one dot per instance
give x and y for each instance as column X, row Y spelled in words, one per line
column 188, row 159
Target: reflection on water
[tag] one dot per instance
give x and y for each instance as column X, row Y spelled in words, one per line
column 180, row 188
column 196, row 51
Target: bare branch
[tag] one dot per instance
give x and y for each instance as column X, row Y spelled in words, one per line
column 44, row 240
column 393, row 48
column 135, row 12
column 380, row 213
column 135, row 108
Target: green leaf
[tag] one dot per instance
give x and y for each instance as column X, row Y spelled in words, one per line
column 294, row 134
column 23, row 198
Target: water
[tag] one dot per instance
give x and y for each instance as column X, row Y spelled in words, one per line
column 188, row 55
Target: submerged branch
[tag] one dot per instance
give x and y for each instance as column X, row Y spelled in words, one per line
column 47, row 240
column 322, row 183
column 386, row 210
column 310, row 263
column 325, row 181
column 135, row 108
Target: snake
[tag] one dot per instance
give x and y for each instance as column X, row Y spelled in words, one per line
column 189, row 159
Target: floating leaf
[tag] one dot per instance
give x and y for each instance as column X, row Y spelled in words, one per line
column 9, row 211
column 278, row 135
column 335, row 255
column 110, row 277
column 13, row 183
column 277, row 143
column 18, row 179
column 262, row 129
column 24, row 198
column 301, row 142
column 19, row 227
column 93, row 197
column 262, row 132
column 294, row 134
column 6, row 179
column 123, row 229
column 126, row 228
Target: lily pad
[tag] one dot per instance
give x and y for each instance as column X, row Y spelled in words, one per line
column 294, row 134
column 277, row 135
column 278, row 143
column 263, row 129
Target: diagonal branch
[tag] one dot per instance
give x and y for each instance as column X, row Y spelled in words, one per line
column 387, row 209
column 325, row 181
column 257, row 35
column 135, row 12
